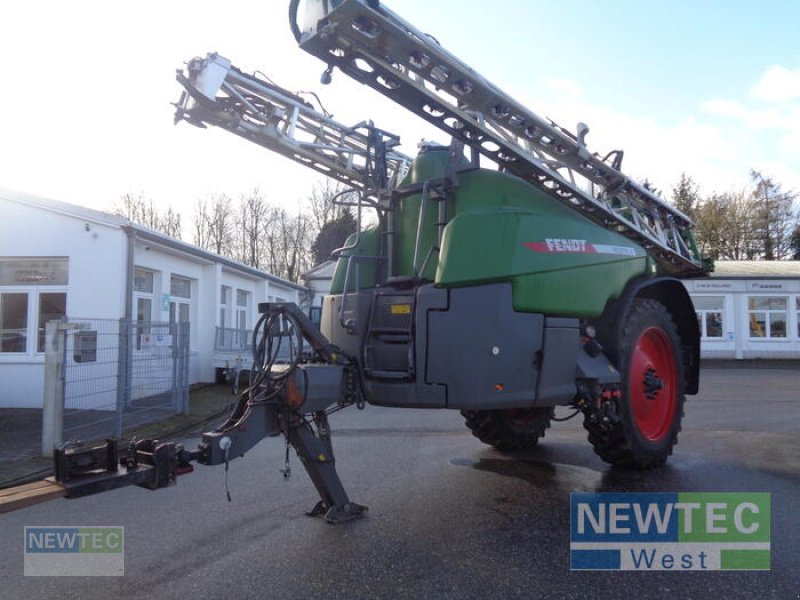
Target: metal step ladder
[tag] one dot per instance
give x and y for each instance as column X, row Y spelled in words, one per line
column 378, row 48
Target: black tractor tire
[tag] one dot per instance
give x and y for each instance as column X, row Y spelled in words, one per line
column 511, row 429
column 649, row 411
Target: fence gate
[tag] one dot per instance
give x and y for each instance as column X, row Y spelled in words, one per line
column 118, row 375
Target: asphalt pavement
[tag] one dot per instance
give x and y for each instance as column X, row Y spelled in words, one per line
column 448, row 518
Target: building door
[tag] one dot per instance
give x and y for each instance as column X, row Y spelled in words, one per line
column 180, row 305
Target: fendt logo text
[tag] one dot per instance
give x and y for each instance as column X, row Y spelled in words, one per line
column 670, row 532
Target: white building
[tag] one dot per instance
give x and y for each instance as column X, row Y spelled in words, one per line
column 59, row 260
column 749, row 309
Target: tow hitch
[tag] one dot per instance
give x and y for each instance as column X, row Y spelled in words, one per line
column 291, row 398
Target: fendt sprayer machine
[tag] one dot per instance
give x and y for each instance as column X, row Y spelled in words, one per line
column 549, row 280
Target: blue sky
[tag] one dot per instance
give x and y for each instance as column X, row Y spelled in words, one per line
column 672, row 82
column 709, row 88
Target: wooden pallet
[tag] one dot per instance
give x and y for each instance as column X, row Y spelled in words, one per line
column 20, row 496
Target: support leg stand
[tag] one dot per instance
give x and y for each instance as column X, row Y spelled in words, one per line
column 316, row 453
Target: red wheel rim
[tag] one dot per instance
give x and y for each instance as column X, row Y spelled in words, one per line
column 652, row 384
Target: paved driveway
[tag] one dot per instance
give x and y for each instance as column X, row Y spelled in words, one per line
column 449, row 518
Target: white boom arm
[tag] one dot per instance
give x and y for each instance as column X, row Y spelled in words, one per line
column 217, row 93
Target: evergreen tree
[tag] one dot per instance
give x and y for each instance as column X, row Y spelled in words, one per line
column 686, row 196
column 332, row 235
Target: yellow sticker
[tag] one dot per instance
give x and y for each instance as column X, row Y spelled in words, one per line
column 401, row 309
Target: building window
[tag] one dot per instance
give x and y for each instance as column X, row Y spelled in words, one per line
column 180, row 287
column 767, row 316
column 142, row 281
column 178, row 312
column 224, row 300
column 144, row 310
column 180, row 290
column 241, row 298
column 797, row 306
column 242, row 319
column 242, row 302
column 13, row 322
column 710, row 315
column 143, row 287
column 25, row 312
column 52, row 306
column 28, row 301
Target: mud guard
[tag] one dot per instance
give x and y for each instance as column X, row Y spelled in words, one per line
column 670, row 292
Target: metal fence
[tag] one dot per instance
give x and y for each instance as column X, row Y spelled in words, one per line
column 240, row 342
column 232, row 340
column 119, row 374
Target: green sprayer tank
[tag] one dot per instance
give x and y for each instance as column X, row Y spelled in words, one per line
column 499, row 229
column 481, row 292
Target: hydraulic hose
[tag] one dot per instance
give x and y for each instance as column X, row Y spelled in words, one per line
column 268, row 338
column 293, row 4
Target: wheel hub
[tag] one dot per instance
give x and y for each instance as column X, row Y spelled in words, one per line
column 652, row 384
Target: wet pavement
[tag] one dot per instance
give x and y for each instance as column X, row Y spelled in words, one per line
column 449, row 517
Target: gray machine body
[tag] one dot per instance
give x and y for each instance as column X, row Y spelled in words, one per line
column 462, row 348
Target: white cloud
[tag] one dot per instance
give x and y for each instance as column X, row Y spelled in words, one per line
column 791, row 140
column 753, row 118
column 768, row 123
column 654, row 149
column 778, row 84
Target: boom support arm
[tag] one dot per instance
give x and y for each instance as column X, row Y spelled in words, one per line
column 217, row 93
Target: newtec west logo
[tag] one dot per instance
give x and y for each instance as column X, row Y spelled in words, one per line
column 670, row 532
column 74, row 551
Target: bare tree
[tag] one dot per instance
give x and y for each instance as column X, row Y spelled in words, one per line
column 214, row 224
column 776, row 216
column 251, row 247
column 171, row 223
column 288, row 243
column 201, row 236
column 141, row 210
column 298, row 244
column 255, row 233
column 269, row 237
column 727, row 226
column 755, row 223
column 332, row 218
column 325, row 202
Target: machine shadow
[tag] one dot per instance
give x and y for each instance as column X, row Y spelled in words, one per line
column 568, row 467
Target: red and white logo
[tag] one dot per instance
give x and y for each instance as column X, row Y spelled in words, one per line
column 575, row 246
